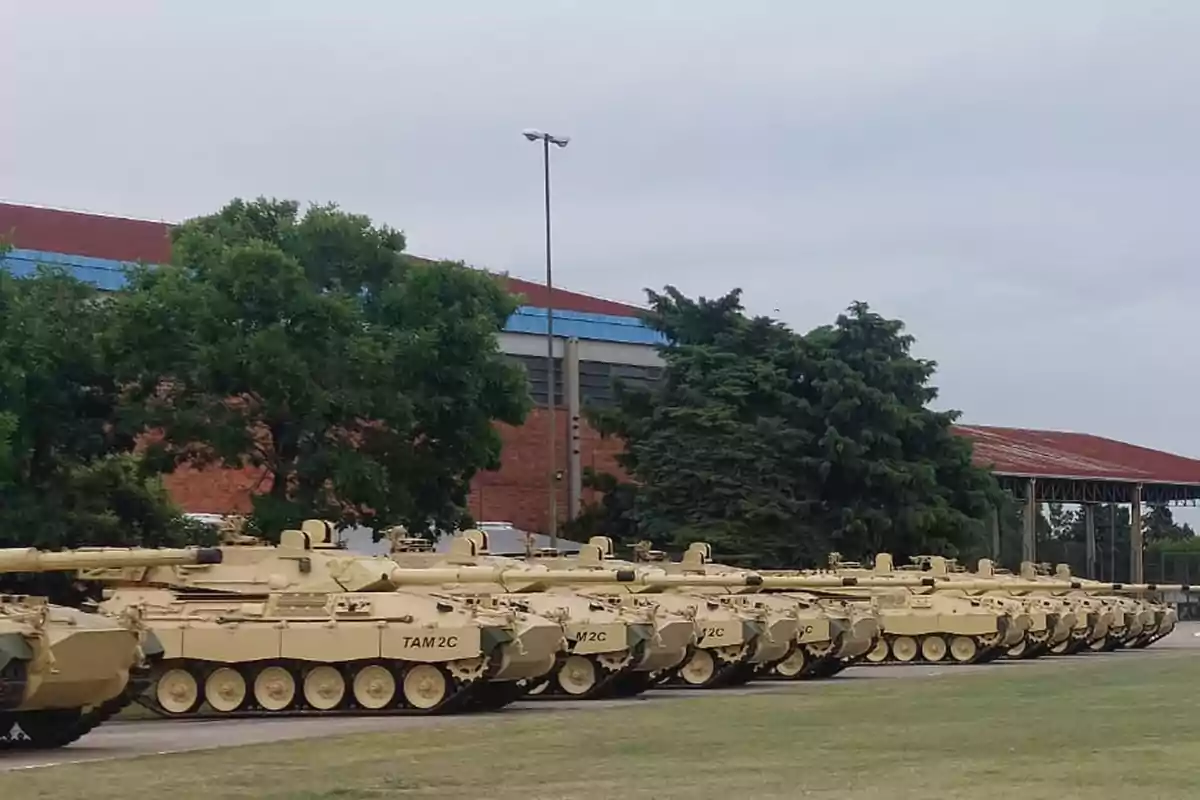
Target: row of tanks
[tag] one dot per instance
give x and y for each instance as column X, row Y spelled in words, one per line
column 306, row 627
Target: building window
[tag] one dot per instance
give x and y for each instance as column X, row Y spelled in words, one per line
column 597, row 379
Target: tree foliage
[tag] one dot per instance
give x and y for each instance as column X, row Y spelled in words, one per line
column 67, row 473
column 783, row 447
column 362, row 383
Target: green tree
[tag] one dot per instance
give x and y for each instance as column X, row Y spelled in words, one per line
column 613, row 514
column 67, row 475
column 362, row 382
column 1159, row 526
column 783, row 447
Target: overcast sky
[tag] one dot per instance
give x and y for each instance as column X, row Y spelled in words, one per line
column 1013, row 179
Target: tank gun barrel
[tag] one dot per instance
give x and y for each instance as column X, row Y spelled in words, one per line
column 1064, row 585
column 563, row 577
column 801, row 582
column 30, row 559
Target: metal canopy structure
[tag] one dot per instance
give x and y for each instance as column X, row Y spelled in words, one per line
column 1063, row 467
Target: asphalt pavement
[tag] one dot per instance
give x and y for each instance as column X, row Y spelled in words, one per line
column 127, row 739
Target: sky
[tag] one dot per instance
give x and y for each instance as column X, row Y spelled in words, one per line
column 1015, row 180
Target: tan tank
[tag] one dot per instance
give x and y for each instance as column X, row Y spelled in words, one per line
column 64, row 671
column 923, row 622
column 735, row 639
column 613, row 648
column 1075, row 619
column 702, row 642
column 307, row 628
column 833, row 633
column 1053, row 622
column 1135, row 618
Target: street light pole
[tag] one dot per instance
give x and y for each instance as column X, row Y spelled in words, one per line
column 561, row 141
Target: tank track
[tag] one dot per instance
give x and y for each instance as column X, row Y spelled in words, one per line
column 984, row 653
column 465, row 694
column 54, row 728
column 727, row 673
column 606, row 687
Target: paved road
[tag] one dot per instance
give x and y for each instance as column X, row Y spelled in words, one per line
column 127, row 739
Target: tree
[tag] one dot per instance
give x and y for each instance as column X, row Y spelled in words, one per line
column 1159, row 526
column 362, row 382
column 613, row 514
column 67, row 476
column 782, row 447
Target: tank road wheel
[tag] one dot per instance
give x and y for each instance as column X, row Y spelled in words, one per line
column 178, row 692
column 933, row 648
column 792, row 666
column 374, row 687
column 578, row 675
column 425, row 686
column 699, row 670
column 1018, row 650
column 904, row 648
column 879, row 653
column 1061, row 648
column 274, row 688
column 963, row 649
column 225, row 690
column 324, row 688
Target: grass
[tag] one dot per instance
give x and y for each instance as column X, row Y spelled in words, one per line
column 1091, row 728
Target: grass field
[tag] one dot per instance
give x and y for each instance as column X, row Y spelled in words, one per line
column 1124, row 727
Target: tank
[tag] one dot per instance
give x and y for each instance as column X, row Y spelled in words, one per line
column 64, row 671
column 612, row 647
column 833, row 633
column 923, row 622
column 1054, row 626
column 307, row 628
column 1075, row 619
column 1136, row 617
column 736, row 638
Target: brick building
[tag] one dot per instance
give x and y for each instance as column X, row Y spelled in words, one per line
column 596, row 341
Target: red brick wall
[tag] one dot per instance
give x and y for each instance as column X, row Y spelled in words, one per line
column 518, row 492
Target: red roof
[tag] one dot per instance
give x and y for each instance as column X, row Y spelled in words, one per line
column 79, row 234
column 1079, row 456
column 124, row 239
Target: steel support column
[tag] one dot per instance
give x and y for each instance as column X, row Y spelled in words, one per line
column 1029, row 537
column 1089, row 525
column 995, row 523
column 1135, row 535
column 571, row 388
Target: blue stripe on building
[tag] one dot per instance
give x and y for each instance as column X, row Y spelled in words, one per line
column 108, row 274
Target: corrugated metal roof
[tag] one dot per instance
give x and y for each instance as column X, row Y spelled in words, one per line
column 121, row 239
column 1080, row 456
column 581, row 325
column 84, row 234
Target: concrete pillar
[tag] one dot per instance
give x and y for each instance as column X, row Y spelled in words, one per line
column 1135, row 535
column 574, row 404
column 1089, row 526
column 995, row 522
column 1029, row 539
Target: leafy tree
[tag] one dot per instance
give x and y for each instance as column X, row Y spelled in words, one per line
column 783, row 447
column 66, row 474
column 613, row 514
column 364, row 383
column 1159, row 525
